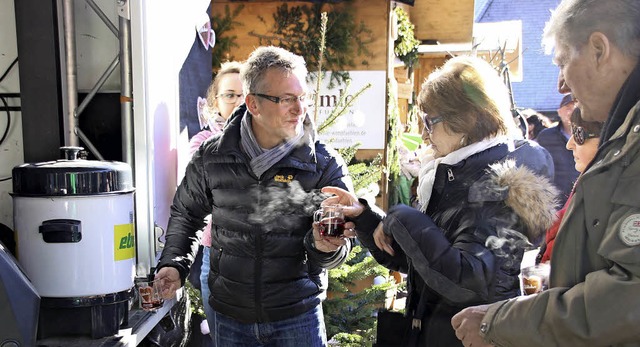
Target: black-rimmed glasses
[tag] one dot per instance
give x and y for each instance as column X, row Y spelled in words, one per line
column 287, row 100
column 430, row 122
column 230, row 98
column 580, row 135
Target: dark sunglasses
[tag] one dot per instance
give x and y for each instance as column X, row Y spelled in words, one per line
column 580, row 135
column 430, row 122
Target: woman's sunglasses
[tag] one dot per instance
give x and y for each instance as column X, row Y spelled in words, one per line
column 430, row 122
column 580, row 135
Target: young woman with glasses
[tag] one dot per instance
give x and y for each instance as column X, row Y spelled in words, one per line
column 584, row 142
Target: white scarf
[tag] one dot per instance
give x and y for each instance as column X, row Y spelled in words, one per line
column 430, row 164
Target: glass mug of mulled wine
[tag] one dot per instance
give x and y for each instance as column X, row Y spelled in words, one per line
column 535, row 278
column 331, row 220
column 150, row 295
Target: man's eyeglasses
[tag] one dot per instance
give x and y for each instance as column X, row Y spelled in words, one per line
column 580, row 135
column 430, row 122
column 229, row 98
column 287, row 100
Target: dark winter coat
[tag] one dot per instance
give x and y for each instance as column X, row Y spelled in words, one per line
column 565, row 172
column 264, row 266
column 467, row 248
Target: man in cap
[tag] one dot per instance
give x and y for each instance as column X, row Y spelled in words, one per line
column 595, row 268
column 554, row 140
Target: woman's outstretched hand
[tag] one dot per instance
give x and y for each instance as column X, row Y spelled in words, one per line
column 351, row 206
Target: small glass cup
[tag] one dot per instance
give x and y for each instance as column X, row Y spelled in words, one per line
column 331, row 220
column 150, row 295
column 535, row 278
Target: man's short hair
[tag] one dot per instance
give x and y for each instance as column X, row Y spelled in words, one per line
column 269, row 57
column 573, row 21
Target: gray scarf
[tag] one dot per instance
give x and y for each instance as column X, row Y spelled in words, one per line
column 263, row 159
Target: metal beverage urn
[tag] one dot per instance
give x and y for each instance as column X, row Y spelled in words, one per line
column 74, row 223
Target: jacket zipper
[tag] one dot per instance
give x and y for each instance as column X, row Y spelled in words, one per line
column 258, row 264
column 450, row 175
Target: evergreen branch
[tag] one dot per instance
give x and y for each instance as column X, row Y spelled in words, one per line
column 342, row 106
column 323, row 38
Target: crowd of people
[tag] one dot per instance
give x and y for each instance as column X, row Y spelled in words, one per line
column 486, row 193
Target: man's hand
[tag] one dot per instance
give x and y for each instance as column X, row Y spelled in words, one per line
column 169, row 278
column 330, row 244
column 467, row 326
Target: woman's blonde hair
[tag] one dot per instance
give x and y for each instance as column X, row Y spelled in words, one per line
column 471, row 98
column 225, row 69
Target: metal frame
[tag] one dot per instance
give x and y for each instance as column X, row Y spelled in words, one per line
column 71, row 109
column 145, row 225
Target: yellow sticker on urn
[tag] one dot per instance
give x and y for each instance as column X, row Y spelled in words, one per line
column 123, row 242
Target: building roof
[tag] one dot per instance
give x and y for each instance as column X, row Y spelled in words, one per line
column 538, row 89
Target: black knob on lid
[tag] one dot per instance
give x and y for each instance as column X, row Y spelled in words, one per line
column 70, row 152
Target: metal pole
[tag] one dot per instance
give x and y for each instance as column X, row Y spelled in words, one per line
column 71, row 138
column 126, row 87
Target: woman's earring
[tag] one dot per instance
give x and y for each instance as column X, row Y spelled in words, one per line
column 463, row 139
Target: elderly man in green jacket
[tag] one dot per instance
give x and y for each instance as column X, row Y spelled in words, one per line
column 594, row 299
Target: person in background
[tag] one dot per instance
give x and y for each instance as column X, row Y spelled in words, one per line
column 594, row 283
column 223, row 96
column 536, row 122
column 583, row 143
column 479, row 209
column 555, row 139
column 268, row 276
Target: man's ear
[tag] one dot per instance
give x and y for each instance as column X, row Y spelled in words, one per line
column 600, row 48
column 252, row 104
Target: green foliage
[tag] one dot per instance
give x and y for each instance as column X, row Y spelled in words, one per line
column 364, row 174
column 296, row 29
column 349, row 315
column 195, row 298
column 406, row 45
column 224, row 43
column 393, row 135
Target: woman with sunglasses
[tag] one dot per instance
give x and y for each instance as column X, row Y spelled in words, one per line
column 223, row 96
column 584, row 142
column 481, row 203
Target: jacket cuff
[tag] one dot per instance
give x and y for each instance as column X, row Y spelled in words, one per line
column 369, row 219
column 486, row 326
column 327, row 260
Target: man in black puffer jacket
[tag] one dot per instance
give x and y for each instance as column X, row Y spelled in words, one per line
column 259, row 179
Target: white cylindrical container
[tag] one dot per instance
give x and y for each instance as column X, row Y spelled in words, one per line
column 74, row 223
column 100, row 259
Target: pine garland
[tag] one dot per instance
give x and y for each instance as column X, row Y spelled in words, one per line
column 406, row 45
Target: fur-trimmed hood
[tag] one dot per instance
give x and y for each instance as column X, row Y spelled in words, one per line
column 532, row 197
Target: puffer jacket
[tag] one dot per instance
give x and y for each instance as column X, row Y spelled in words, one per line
column 264, row 266
column 595, row 265
column 467, row 247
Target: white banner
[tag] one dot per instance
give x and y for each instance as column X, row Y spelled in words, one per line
column 364, row 120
